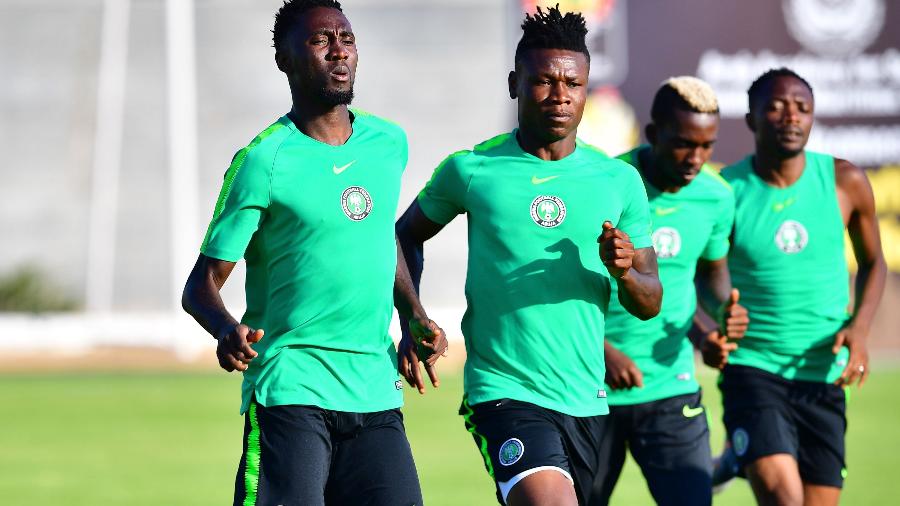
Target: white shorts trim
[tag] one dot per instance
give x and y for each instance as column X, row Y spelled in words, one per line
column 506, row 486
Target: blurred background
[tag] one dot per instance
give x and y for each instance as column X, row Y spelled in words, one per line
column 118, row 119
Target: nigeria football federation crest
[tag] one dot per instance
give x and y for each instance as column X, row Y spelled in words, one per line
column 356, row 203
column 511, row 451
column 791, row 237
column 666, row 242
column 740, row 440
column 548, row 211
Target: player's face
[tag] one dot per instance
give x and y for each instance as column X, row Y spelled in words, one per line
column 683, row 144
column 782, row 119
column 551, row 88
column 321, row 56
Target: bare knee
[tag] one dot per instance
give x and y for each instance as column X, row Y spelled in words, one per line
column 775, row 480
column 543, row 488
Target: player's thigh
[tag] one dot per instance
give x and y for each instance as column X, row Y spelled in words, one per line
column 375, row 465
column 820, row 495
column 820, row 413
column 287, row 453
column 613, row 443
column 758, row 414
column 518, row 440
column 775, row 480
column 670, row 443
column 547, row 487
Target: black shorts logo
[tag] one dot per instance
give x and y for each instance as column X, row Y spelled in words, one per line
column 511, row 451
column 741, row 441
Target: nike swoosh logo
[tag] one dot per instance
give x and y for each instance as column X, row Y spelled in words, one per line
column 780, row 206
column 690, row 412
column 338, row 170
column 664, row 211
column 541, row 180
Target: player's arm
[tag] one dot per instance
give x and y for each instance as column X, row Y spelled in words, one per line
column 621, row 371
column 635, row 272
column 858, row 209
column 715, row 295
column 202, row 300
column 413, row 229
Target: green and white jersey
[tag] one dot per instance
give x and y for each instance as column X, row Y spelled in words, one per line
column 788, row 261
column 536, row 289
column 691, row 224
column 315, row 224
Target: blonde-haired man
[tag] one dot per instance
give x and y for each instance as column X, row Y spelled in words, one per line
column 654, row 398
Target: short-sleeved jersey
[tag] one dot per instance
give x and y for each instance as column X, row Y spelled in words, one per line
column 315, row 224
column 536, row 289
column 691, row 224
column 788, row 262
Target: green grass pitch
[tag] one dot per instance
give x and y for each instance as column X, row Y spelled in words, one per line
column 174, row 438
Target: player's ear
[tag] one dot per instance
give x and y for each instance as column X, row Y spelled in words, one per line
column 513, row 82
column 748, row 118
column 281, row 60
column 651, row 133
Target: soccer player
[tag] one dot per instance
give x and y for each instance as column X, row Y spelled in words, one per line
column 654, row 397
column 784, row 405
column 309, row 204
column 537, row 286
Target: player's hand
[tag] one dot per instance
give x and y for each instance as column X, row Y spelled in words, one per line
column 733, row 318
column 616, row 250
column 857, row 369
column 715, row 349
column 234, row 351
column 423, row 341
column 621, row 371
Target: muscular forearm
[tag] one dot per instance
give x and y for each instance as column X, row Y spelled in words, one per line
column 713, row 284
column 406, row 298
column 701, row 325
column 201, row 299
column 640, row 294
column 869, row 286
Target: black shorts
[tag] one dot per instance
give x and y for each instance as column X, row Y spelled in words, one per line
column 305, row 455
column 514, row 437
column 669, row 440
column 766, row 414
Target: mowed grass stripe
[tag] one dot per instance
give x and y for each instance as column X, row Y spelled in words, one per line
column 175, row 438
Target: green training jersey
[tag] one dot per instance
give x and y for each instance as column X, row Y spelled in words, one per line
column 688, row 225
column 536, row 289
column 788, row 261
column 315, row 224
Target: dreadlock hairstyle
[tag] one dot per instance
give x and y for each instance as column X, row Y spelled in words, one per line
column 686, row 93
column 290, row 13
column 553, row 30
column 754, row 94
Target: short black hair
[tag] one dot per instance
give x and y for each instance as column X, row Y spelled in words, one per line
column 290, row 13
column 553, row 30
column 756, row 89
column 683, row 93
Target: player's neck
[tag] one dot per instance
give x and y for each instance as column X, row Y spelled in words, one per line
column 331, row 126
column 650, row 169
column 778, row 169
column 540, row 148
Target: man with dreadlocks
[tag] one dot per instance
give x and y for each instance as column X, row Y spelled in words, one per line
column 782, row 389
column 537, row 287
column 654, row 397
column 309, row 204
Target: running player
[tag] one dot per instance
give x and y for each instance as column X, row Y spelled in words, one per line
column 654, row 397
column 309, row 204
column 784, row 405
column 537, row 288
